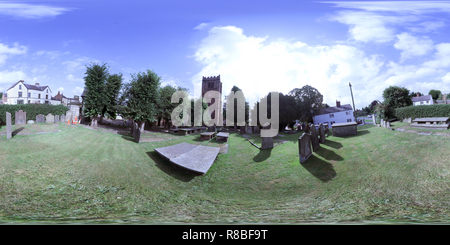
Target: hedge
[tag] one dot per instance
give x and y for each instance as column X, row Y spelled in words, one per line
column 422, row 111
column 32, row 110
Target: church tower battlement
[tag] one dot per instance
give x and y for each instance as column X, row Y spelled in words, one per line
column 211, row 83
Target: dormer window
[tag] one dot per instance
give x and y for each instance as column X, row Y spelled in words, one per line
column 20, row 86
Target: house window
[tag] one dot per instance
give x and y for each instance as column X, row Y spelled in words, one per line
column 331, row 115
column 19, row 101
column 20, row 86
column 29, row 95
column 46, row 102
column 347, row 113
column 47, row 90
column 428, row 101
column 20, row 94
column 421, row 102
column 46, row 97
column 28, row 101
column 349, row 120
column 332, row 122
column 39, row 96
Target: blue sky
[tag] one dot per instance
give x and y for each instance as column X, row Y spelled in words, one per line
column 259, row 46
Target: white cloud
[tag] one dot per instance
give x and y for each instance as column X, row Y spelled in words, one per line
column 403, row 7
column 60, row 89
column 78, row 90
column 30, row 11
column 72, row 78
column 10, row 77
column 77, row 64
column 442, row 56
column 201, row 26
column 412, row 46
column 6, row 52
column 258, row 67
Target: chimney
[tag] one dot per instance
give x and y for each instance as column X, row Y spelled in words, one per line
column 417, row 95
column 37, row 84
column 338, row 103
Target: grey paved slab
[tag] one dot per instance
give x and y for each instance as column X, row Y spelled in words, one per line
column 196, row 158
column 344, row 124
column 431, row 119
column 174, row 151
column 425, row 132
column 222, row 134
column 199, row 159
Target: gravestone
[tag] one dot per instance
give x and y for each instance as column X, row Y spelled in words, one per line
column 30, row 122
column 62, row 118
column 20, row 117
column 8, row 126
column 256, row 130
column 267, row 142
column 137, row 136
column 212, row 129
column 304, row 147
column 56, row 119
column 322, row 133
column 382, row 123
column 388, row 125
column 314, row 138
column 49, row 118
column 40, row 118
column 307, row 129
column 327, row 129
column 242, row 130
column 249, row 130
column 135, row 128
column 69, row 115
column 373, row 119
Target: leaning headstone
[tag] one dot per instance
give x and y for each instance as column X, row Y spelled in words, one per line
column 30, row 122
column 304, row 147
column 56, row 119
column 69, row 115
column 314, row 138
column 20, row 117
column 62, row 118
column 388, row 125
column 135, row 129
column 382, row 123
column 8, row 126
column 373, row 119
column 249, row 130
column 49, row 118
column 267, row 142
column 40, row 118
column 137, row 136
column 322, row 133
column 132, row 129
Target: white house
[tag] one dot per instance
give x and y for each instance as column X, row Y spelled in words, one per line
column 422, row 100
column 21, row 93
column 336, row 114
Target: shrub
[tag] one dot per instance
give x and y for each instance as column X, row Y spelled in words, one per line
column 32, row 110
column 422, row 111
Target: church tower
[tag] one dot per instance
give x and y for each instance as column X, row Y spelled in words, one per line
column 211, row 83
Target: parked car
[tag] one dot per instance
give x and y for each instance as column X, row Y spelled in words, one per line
column 369, row 116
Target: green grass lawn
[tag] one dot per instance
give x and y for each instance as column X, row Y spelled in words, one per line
column 83, row 174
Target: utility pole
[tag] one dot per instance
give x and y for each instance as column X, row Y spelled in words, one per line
column 354, row 109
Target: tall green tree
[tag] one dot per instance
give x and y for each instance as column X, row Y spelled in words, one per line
column 414, row 94
column 141, row 97
column 113, row 86
column 237, row 109
column 394, row 97
column 435, row 94
column 308, row 100
column 95, row 82
column 165, row 106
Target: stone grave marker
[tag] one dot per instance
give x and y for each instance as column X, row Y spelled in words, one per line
column 56, row 119
column 30, row 122
column 62, row 118
column 267, row 142
column 314, row 138
column 137, row 136
column 373, row 119
column 382, row 123
column 69, row 115
column 20, row 117
column 242, row 130
column 256, row 130
column 49, row 118
column 249, row 130
column 135, row 129
column 304, row 147
column 322, row 133
column 212, row 129
column 8, row 126
column 40, row 118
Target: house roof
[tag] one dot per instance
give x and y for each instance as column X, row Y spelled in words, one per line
column 421, row 98
column 334, row 109
column 29, row 86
